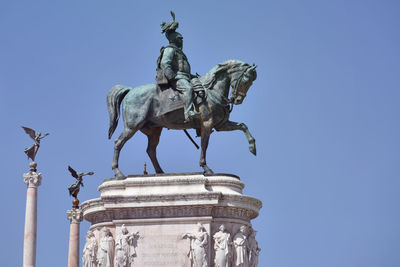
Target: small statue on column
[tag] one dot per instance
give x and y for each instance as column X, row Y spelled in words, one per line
column 75, row 187
column 32, row 150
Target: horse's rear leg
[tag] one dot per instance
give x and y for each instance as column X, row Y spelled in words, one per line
column 153, row 136
column 119, row 143
column 206, row 130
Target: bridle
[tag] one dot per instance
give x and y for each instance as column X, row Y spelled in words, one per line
column 235, row 89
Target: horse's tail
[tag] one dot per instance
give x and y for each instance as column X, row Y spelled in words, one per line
column 114, row 99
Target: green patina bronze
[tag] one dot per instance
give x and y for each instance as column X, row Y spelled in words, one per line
column 180, row 100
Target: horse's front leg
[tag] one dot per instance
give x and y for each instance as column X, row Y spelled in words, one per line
column 206, row 130
column 232, row 126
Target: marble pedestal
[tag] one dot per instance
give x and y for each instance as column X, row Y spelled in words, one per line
column 166, row 220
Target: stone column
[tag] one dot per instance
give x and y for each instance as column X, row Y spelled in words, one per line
column 75, row 217
column 33, row 180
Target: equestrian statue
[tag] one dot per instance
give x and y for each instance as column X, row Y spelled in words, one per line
column 180, row 100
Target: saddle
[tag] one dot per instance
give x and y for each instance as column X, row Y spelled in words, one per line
column 170, row 98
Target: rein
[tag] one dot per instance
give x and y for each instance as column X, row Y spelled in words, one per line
column 230, row 107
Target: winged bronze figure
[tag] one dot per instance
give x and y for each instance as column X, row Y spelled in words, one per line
column 36, row 136
column 75, row 187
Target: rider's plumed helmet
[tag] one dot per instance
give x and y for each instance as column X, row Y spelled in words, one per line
column 169, row 28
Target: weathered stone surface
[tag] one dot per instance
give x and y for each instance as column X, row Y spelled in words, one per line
column 163, row 208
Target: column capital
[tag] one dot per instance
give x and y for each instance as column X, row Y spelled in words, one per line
column 75, row 215
column 33, row 179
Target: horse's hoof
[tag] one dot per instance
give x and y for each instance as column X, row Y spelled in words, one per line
column 252, row 147
column 119, row 176
column 207, row 171
column 253, row 150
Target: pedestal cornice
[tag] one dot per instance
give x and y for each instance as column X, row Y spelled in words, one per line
column 171, row 196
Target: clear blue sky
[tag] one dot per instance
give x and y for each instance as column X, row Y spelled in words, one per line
column 324, row 111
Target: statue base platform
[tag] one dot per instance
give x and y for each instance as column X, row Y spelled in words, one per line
column 155, row 218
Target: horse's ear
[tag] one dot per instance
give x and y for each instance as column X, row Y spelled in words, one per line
column 252, row 68
column 253, row 72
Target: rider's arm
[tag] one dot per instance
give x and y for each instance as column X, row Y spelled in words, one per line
column 166, row 63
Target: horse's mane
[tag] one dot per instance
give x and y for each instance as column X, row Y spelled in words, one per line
column 230, row 65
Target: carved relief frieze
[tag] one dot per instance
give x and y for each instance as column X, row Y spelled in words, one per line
column 170, row 212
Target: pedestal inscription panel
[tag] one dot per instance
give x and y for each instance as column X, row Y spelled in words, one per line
column 162, row 245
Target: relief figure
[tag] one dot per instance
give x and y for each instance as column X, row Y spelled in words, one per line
column 254, row 250
column 125, row 244
column 105, row 252
column 222, row 246
column 198, row 247
column 240, row 241
column 89, row 251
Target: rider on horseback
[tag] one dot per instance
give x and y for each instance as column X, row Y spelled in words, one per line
column 173, row 68
column 149, row 108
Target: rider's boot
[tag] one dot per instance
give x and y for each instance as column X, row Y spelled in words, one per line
column 191, row 114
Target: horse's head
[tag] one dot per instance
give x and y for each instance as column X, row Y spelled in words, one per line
column 241, row 81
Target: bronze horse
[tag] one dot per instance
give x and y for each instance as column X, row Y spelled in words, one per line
column 142, row 109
